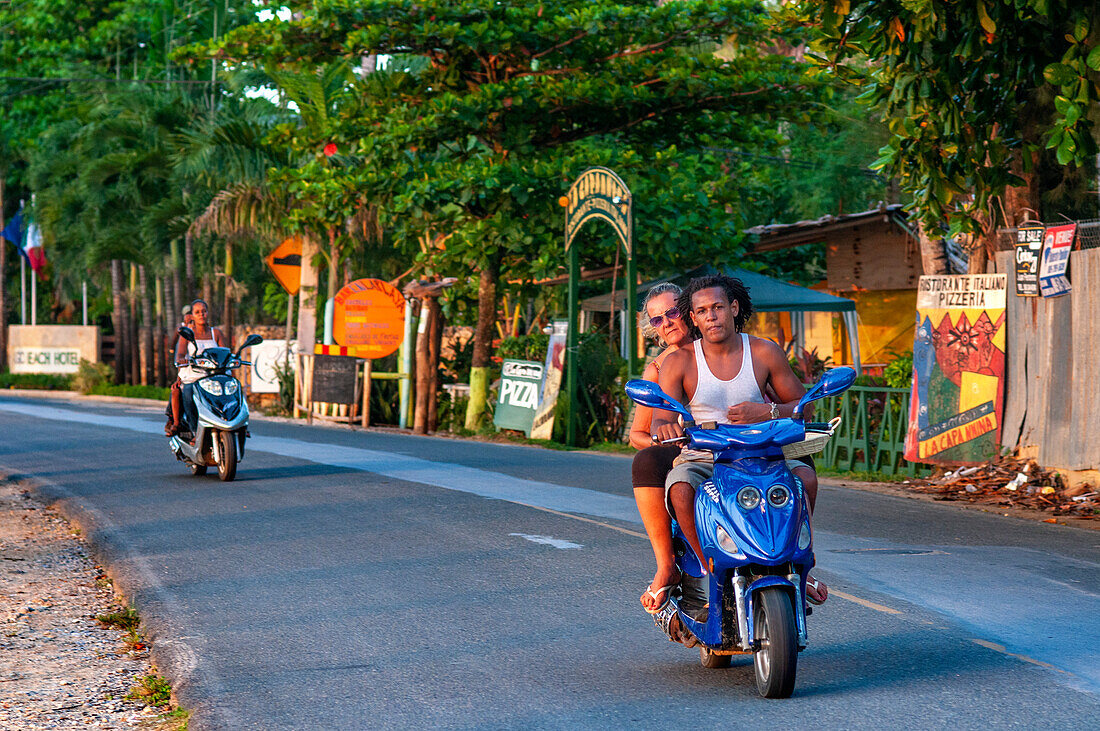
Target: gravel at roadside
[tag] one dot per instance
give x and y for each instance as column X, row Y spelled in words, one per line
column 60, row 668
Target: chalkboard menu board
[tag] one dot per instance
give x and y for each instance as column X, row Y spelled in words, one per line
column 334, row 379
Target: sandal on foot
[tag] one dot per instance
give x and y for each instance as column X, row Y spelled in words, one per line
column 816, row 591
column 655, row 594
column 171, row 430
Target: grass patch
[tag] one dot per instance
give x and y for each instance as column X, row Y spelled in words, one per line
column 179, row 715
column 36, row 381
column 613, row 448
column 125, row 619
column 149, row 392
column 862, row 476
column 151, row 690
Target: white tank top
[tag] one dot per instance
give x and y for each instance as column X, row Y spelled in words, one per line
column 188, row 374
column 713, row 397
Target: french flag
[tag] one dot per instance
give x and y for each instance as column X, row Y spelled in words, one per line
column 32, row 249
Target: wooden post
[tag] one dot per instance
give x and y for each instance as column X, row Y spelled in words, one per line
column 297, row 383
column 366, row 393
column 435, row 342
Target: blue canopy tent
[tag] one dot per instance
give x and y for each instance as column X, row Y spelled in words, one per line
column 767, row 294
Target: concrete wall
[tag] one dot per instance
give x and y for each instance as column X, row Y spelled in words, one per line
column 51, row 348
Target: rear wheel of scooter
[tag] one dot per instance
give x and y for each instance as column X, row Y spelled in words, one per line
column 776, row 661
column 713, row 660
column 198, row 470
column 227, row 451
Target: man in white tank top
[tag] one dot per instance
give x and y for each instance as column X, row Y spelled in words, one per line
column 723, row 378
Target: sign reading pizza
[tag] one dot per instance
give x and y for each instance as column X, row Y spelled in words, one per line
column 369, row 314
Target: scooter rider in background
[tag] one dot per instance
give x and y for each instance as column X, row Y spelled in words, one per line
column 205, row 337
column 722, row 377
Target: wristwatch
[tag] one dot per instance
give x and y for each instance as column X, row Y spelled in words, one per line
column 775, row 410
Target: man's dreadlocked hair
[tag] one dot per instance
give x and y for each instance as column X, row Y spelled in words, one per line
column 735, row 292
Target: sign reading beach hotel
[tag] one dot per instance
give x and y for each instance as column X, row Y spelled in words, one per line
column 958, row 369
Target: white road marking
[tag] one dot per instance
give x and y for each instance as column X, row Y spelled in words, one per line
column 548, row 541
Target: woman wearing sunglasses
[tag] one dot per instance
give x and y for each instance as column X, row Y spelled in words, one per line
column 664, row 322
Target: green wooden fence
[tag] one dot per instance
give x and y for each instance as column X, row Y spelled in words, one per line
column 871, row 435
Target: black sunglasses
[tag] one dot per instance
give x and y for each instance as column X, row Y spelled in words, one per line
column 673, row 314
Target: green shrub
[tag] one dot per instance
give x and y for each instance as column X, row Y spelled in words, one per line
column 36, row 381
column 899, row 373
column 149, row 392
column 92, row 375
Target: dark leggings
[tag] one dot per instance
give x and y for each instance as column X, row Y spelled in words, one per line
column 652, row 465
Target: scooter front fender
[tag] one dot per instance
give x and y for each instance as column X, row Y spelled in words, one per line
column 793, row 589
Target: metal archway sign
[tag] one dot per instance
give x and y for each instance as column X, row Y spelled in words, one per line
column 598, row 194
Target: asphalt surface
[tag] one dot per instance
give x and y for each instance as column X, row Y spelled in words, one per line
column 379, row 580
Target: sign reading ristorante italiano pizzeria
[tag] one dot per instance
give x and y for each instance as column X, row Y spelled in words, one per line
column 958, row 369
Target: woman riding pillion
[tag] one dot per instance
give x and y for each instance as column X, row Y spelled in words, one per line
column 653, row 462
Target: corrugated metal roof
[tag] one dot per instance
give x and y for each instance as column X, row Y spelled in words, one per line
column 784, row 235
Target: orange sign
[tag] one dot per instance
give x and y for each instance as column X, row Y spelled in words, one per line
column 286, row 264
column 370, row 314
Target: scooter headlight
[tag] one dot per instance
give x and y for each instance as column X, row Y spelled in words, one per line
column 212, row 387
column 804, row 537
column 778, row 496
column 231, row 387
column 748, row 497
column 726, row 542
column 205, row 363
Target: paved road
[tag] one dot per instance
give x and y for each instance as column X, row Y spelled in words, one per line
column 369, row 580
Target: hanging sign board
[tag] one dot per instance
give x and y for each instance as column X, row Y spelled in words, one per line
column 369, row 315
column 1029, row 245
column 1057, row 243
column 518, row 398
column 543, row 427
column 958, row 369
column 286, row 264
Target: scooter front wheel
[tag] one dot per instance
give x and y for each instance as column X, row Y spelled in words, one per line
column 227, row 455
column 776, row 658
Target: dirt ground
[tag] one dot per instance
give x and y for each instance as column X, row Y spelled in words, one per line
column 60, row 668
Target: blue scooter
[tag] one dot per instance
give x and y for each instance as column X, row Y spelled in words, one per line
column 753, row 525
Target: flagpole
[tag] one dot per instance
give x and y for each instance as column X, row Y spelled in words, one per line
column 22, row 289
column 34, row 299
column 84, row 299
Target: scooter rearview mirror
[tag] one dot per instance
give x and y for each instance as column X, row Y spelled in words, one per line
column 837, row 380
column 186, row 333
column 648, row 393
column 251, row 340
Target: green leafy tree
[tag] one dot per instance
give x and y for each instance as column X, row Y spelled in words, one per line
column 972, row 91
column 486, row 111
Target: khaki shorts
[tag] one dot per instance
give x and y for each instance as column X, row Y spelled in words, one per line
column 696, row 468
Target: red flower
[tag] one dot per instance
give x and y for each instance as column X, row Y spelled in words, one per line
column 330, row 149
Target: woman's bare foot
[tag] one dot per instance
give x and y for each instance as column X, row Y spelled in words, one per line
column 663, row 582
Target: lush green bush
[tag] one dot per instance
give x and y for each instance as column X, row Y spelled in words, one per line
column 149, row 392
column 37, row 381
column 91, row 375
column 899, row 373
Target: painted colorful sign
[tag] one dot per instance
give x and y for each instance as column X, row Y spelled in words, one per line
column 518, row 399
column 370, row 315
column 958, row 369
column 543, row 427
column 1029, row 246
column 1057, row 243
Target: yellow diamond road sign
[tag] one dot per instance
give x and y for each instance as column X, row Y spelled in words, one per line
column 286, row 264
